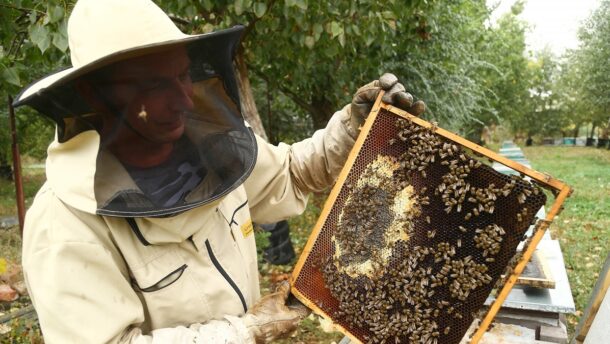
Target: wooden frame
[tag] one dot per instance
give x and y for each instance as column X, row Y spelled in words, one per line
column 597, row 296
column 559, row 188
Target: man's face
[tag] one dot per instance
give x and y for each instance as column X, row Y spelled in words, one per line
column 153, row 92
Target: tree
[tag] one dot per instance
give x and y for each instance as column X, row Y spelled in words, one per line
column 33, row 42
column 593, row 69
column 509, row 82
column 301, row 60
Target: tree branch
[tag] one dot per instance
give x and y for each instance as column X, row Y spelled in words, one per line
column 250, row 26
column 179, row 20
column 290, row 94
column 22, row 9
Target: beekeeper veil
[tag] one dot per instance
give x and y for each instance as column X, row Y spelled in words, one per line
column 162, row 107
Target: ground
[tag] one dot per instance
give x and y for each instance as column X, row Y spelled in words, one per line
column 583, row 230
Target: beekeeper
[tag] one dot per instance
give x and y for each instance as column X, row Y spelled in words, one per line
column 143, row 231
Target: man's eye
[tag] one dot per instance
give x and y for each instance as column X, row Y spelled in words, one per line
column 153, row 84
column 185, row 77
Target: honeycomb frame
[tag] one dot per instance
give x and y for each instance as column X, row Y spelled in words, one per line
column 560, row 190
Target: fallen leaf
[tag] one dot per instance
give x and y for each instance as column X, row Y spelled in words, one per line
column 7, row 293
column 20, row 288
column 4, row 329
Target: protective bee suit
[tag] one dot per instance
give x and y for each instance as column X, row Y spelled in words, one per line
column 120, row 248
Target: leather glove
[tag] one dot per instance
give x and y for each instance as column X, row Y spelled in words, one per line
column 272, row 318
column 395, row 94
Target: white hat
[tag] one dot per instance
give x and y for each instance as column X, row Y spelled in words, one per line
column 104, row 32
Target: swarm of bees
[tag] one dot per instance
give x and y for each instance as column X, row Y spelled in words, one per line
column 421, row 239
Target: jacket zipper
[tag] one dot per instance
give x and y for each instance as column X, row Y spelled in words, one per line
column 235, row 212
column 225, row 275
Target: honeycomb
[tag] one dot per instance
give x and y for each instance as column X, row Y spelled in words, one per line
column 417, row 238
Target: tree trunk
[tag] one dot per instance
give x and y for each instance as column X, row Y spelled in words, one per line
column 606, row 130
column 576, row 130
column 248, row 106
column 323, row 111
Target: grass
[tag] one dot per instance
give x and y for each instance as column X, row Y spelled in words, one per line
column 583, row 229
column 33, row 178
column 21, row 330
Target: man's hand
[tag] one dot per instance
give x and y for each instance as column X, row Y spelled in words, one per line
column 271, row 318
column 395, row 94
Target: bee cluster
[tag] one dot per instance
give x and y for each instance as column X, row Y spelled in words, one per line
column 458, row 238
column 368, row 214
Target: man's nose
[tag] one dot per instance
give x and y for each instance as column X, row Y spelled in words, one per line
column 182, row 95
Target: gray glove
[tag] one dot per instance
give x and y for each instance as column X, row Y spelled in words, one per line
column 272, row 317
column 395, row 94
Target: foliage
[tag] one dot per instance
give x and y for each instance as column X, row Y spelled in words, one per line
column 541, row 114
column 509, row 82
column 586, row 74
column 306, row 58
column 595, row 73
column 34, row 42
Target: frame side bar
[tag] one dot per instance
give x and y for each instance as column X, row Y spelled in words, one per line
column 537, row 236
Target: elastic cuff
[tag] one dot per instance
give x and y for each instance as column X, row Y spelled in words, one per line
column 242, row 330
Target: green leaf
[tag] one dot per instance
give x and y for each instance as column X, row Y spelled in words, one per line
column 260, row 8
column 342, row 39
column 191, row 11
column 11, row 75
column 309, row 41
column 2, row 266
column 331, row 51
column 239, row 7
column 56, row 14
column 60, row 41
column 207, row 28
column 317, row 28
column 40, row 37
column 208, row 5
column 33, row 17
column 302, row 4
column 335, row 29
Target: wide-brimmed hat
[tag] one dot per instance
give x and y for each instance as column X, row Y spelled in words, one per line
column 103, row 32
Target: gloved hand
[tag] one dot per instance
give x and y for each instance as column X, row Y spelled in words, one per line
column 271, row 318
column 395, row 94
